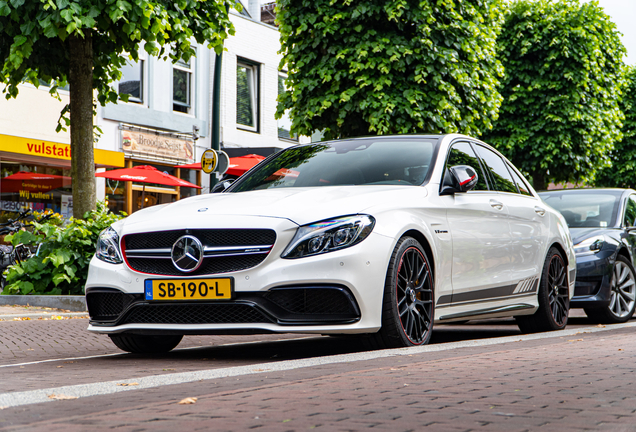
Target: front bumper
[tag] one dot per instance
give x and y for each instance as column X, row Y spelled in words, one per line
column 337, row 292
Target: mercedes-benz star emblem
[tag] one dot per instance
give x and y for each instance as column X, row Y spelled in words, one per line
column 187, row 253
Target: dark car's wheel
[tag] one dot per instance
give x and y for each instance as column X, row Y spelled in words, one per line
column 622, row 295
column 407, row 312
column 553, row 296
column 145, row 344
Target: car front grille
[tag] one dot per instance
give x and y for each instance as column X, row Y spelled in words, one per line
column 108, row 305
column 328, row 301
column 297, row 305
column 194, row 314
column 225, row 250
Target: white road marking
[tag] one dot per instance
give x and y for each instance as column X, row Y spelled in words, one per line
column 14, row 399
column 125, row 353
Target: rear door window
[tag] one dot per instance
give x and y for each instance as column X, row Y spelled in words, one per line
column 521, row 184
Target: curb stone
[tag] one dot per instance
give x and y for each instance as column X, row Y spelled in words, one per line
column 68, row 302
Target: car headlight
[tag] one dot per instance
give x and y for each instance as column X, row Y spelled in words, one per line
column 329, row 235
column 589, row 246
column 108, row 247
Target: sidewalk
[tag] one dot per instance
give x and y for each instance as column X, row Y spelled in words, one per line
column 25, row 313
column 563, row 381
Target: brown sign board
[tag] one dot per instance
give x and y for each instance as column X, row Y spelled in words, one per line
column 148, row 143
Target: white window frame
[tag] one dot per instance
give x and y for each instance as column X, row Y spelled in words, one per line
column 254, row 94
column 180, row 65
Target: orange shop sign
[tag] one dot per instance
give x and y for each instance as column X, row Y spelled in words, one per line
column 53, row 150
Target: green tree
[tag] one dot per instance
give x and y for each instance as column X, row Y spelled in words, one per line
column 397, row 66
column 85, row 43
column 622, row 173
column 564, row 71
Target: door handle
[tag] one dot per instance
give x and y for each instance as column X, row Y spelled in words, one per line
column 540, row 211
column 496, row 204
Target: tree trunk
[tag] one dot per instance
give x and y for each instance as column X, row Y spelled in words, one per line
column 81, row 110
column 538, row 181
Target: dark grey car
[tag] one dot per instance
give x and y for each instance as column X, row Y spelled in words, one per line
column 602, row 224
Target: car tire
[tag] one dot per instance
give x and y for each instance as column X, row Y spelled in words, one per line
column 145, row 344
column 622, row 295
column 553, row 297
column 407, row 309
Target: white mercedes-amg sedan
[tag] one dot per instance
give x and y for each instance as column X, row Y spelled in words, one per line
column 380, row 237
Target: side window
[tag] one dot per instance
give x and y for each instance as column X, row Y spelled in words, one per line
column 521, row 184
column 247, row 114
column 462, row 154
column 497, row 170
column 630, row 211
column 182, row 86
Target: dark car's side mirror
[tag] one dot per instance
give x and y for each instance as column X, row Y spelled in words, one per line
column 222, row 186
column 459, row 178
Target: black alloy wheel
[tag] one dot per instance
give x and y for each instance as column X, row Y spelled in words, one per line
column 407, row 313
column 553, row 297
column 622, row 295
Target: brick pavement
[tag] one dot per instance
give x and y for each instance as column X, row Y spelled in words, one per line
column 573, row 383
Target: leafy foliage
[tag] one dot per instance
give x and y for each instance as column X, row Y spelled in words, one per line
column 34, row 34
column 65, row 252
column 622, row 173
column 564, row 71
column 396, row 66
column 86, row 43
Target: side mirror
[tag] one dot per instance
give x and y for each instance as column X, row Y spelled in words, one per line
column 459, row 178
column 222, row 186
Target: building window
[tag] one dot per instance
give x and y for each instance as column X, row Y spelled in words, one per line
column 182, row 86
column 247, row 96
column 132, row 81
column 284, row 123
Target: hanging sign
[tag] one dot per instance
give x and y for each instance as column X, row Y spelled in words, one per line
column 209, row 161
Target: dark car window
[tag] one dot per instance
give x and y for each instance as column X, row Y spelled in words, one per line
column 379, row 161
column 462, row 153
column 521, row 184
column 497, row 170
column 630, row 211
column 585, row 208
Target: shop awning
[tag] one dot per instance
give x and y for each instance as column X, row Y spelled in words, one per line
column 52, row 153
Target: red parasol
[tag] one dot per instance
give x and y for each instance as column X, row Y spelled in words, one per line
column 33, row 182
column 238, row 165
column 146, row 174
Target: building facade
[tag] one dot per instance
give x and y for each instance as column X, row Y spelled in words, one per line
column 165, row 123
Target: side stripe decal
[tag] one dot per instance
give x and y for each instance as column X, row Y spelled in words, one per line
column 524, row 287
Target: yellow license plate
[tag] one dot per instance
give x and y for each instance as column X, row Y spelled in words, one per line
column 189, row 289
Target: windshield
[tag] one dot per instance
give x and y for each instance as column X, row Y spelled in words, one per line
column 593, row 208
column 378, row 161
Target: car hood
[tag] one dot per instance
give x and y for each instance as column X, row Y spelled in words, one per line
column 299, row 205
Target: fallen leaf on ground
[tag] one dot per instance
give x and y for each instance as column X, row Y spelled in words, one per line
column 188, row 401
column 620, row 349
column 61, row 397
column 60, row 366
column 128, row 384
column 575, row 340
column 22, row 319
column 600, row 326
